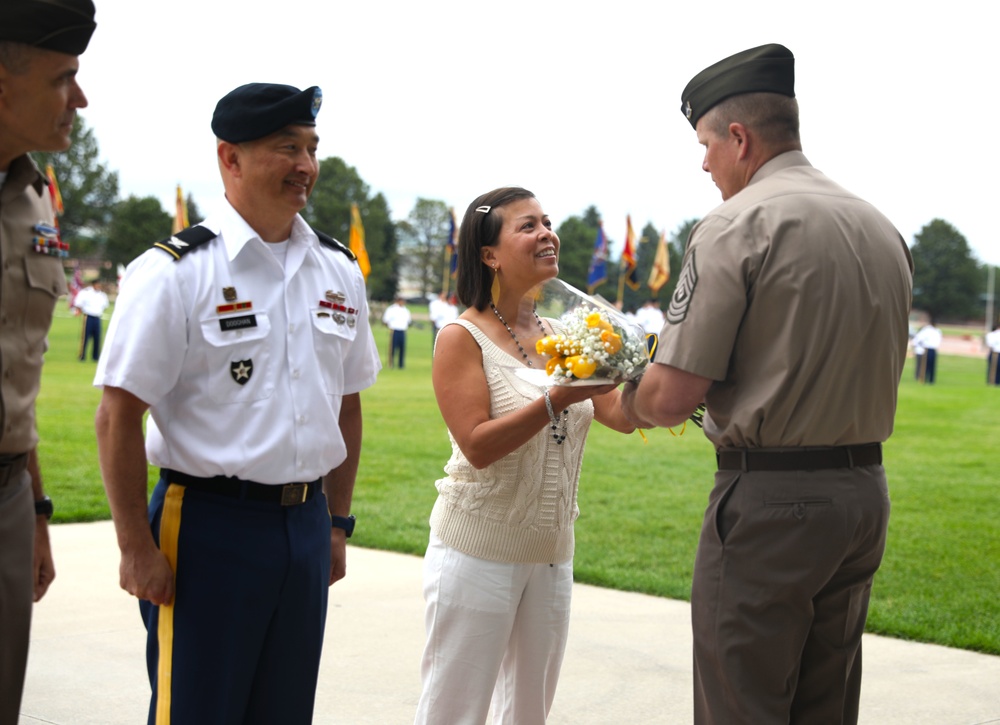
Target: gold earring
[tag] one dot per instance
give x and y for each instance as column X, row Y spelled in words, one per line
column 495, row 287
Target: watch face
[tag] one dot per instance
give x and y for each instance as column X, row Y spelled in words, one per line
column 44, row 507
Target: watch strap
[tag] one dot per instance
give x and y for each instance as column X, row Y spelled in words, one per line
column 344, row 522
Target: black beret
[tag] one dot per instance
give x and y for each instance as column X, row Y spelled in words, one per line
column 257, row 110
column 61, row 25
column 765, row 69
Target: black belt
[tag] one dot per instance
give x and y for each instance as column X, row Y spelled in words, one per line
column 12, row 466
column 799, row 459
column 288, row 494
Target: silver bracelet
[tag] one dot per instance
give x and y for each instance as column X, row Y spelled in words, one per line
column 558, row 435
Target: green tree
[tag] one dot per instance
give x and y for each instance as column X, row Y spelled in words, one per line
column 329, row 210
column 423, row 237
column 193, row 212
column 89, row 191
column 136, row 224
column 946, row 280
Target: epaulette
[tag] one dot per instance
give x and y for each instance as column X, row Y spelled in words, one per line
column 185, row 240
column 332, row 243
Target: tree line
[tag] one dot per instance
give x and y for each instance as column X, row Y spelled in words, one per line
column 949, row 283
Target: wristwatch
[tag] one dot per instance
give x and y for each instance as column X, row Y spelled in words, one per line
column 344, row 522
column 43, row 507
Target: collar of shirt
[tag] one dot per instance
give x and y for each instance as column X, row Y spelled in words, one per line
column 237, row 234
column 22, row 172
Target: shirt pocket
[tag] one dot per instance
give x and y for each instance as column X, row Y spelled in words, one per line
column 45, row 282
column 239, row 359
column 333, row 334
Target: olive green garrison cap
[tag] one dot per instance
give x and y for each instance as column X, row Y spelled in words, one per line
column 764, row 69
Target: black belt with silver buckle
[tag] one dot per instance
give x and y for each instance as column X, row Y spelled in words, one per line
column 800, row 459
column 288, row 494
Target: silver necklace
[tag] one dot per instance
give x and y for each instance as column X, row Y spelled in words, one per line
column 559, row 423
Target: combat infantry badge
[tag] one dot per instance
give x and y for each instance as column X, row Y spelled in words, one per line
column 241, row 370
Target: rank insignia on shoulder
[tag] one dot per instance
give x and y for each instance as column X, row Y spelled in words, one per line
column 241, row 370
column 185, row 241
column 327, row 241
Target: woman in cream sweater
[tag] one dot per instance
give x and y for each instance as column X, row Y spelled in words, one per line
column 498, row 571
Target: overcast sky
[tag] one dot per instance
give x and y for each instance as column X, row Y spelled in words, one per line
column 577, row 101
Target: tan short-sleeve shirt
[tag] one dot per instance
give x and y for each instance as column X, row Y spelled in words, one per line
column 30, row 284
column 794, row 297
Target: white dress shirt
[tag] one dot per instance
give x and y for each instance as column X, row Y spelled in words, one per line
column 243, row 363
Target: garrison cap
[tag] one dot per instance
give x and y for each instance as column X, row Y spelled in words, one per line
column 257, row 110
column 64, row 26
column 764, row 69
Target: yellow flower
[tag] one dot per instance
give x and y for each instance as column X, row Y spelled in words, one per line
column 551, row 363
column 612, row 342
column 546, row 346
column 595, row 319
column 580, row 366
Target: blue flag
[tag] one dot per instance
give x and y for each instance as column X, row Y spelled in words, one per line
column 452, row 245
column 598, row 273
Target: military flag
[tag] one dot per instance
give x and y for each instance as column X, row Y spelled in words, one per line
column 57, row 200
column 450, row 252
column 597, row 274
column 180, row 212
column 659, row 275
column 75, row 285
column 630, row 257
column 357, row 242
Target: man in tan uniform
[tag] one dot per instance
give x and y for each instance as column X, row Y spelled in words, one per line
column 789, row 321
column 39, row 44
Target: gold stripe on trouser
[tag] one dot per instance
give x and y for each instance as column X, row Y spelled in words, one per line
column 170, row 525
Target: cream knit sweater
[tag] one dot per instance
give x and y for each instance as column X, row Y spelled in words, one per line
column 521, row 508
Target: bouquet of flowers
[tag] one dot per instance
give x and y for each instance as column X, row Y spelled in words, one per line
column 592, row 342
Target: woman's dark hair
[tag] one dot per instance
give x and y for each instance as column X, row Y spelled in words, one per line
column 481, row 228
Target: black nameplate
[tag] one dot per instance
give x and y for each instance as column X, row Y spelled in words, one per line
column 237, row 323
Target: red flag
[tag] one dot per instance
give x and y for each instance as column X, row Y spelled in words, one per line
column 629, row 258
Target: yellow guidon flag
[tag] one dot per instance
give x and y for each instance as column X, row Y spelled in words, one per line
column 357, row 242
column 180, row 213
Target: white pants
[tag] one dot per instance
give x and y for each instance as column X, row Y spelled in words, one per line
column 495, row 631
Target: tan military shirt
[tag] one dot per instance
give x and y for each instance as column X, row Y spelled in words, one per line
column 794, row 297
column 30, row 284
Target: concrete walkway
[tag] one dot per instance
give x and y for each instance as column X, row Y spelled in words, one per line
column 628, row 661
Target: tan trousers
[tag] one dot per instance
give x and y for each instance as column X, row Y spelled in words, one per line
column 780, row 594
column 17, row 537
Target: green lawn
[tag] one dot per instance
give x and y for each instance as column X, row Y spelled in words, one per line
column 642, row 502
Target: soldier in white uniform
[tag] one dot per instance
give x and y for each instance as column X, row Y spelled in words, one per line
column 789, row 321
column 992, row 341
column 247, row 339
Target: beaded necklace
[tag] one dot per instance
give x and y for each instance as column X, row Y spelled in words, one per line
column 560, row 424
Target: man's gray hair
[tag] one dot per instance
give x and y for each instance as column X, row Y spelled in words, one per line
column 772, row 116
column 16, row 57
